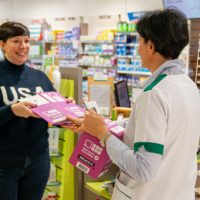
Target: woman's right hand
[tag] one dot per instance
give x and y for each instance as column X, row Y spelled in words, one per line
column 21, row 109
column 76, row 126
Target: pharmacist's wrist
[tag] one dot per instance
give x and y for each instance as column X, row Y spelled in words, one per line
column 103, row 132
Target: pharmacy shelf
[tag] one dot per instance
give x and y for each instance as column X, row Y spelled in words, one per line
column 127, row 33
column 85, row 75
column 127, row 56
column 95, row 187
column 56, row 183
column 96, row 65
column 97, row 41
column 96, row 53
column 134, row 72
column 127, row 44
column 37, row 41
column 35, row 56
column 57, row 155
column 65, row 56
column 59, row 41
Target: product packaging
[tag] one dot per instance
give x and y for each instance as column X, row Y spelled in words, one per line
column 52, row 174
column 53, row 140
column 125, row 50
column 111, row 72
column 117, row 38
column 52, row 107
column 89, row 156
column 56, row 77
column 125, row 39
column 124, row 27
column 119, row 50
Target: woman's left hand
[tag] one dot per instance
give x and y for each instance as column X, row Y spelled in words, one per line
column 71, row 100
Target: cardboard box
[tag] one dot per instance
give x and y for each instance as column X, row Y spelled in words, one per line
column 89, row 156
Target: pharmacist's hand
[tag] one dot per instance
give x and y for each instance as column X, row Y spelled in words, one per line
column 94, row 124
column 22, row 109
column 70, row 99
column 76, row 126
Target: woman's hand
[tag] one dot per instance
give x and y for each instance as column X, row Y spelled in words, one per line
column 70, row 99
column 76, row 126
column 21, row 109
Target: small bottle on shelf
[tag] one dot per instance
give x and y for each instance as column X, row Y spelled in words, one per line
column 56, row 76
column 52, row 174
column 51, row 196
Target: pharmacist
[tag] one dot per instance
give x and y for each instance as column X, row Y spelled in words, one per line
column 157, row 158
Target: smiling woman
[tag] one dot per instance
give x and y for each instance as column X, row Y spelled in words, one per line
column 24, row 152
column 14, row 41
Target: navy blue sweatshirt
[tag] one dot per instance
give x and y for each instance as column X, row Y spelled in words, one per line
column 21, row 136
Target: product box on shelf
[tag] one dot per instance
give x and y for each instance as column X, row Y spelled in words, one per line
column 53, row 140
column 90, row 157
column 90, row 71
column 52, row 107
column 125, row 50
column 119, row 50
column 111, row 72
column 125, row 39
column 117, row 38
column 35, row 50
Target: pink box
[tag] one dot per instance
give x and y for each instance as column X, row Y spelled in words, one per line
column 89, row 156
column 56, row 108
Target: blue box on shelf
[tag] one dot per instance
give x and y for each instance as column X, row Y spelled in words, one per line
column 117, row 38
column 134, row 40
column 125, row 39
column 125, row 50
column 119, row 67
column 119, row 50
column 130, row 69
column 124, row 68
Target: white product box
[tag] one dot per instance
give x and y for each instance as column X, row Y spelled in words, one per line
column 53, row 140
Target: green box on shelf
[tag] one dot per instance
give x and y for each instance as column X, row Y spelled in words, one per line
column 133, row 27
column 119, row 27
column 124, row 27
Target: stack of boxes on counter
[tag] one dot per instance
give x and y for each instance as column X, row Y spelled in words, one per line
column 60, row 35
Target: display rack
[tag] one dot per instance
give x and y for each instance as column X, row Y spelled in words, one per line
column 97, row 65
column 134, row 72
column 127, row 56
column 97, row 41
column 96, row 53
column 126, row 44
column 127, row 33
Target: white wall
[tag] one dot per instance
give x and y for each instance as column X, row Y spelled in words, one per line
column 26, row 10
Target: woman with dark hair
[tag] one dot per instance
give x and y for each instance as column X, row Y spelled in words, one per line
column 24, row 152
column 157, row 157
